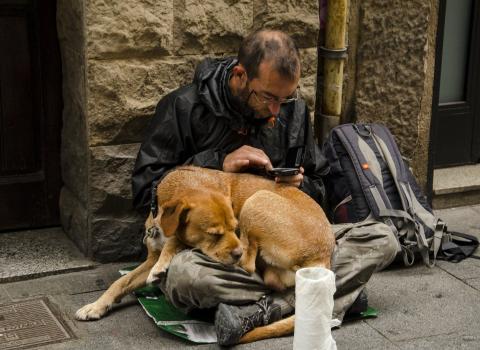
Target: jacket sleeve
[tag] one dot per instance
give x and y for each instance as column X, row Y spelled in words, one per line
column 315, row 165
column 164, row 148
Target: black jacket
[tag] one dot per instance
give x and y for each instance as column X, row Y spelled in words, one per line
column 199, row 124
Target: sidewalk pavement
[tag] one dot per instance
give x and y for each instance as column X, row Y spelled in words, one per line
column 418, row 307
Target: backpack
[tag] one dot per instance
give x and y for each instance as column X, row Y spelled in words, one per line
column 369, row 179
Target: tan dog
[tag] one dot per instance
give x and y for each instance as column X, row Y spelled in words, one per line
column 199, row 208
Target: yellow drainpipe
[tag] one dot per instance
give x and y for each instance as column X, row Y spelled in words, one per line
column 334, row 53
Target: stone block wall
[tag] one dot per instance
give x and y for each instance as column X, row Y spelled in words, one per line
column 391, row 71
column 74, row 197
column 118, row 59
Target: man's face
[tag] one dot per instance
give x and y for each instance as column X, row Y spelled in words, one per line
column 265, row 93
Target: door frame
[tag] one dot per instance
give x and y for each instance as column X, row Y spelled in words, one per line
column 472, row 87
column 47, row 88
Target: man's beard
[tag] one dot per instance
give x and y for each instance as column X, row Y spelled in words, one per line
column 241, row 103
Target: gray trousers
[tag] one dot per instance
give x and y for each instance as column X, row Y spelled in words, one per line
column 195, row 281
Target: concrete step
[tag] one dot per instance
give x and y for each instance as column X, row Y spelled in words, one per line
column 36, row 253
column 456, row 186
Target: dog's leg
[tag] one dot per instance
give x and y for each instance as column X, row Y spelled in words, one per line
column 171, row 248
column 247, row 261
column 277, row 278
column 276, row 329
column 124, row 285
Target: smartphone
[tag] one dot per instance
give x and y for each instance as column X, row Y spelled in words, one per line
column 283, row 171
column 293, row 163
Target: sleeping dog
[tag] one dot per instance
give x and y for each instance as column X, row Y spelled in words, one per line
column 203, row 208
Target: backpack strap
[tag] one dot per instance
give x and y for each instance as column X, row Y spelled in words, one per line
column 400, row 221
column 365, row 164
column 455, row 250
column 429, row 220
column 441, row 240
column 409, row 201
column 369, row 174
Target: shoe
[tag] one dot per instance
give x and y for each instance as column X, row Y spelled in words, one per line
column 359, row 305
column 231, row 322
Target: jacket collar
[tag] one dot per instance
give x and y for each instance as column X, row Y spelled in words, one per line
column 212, row 78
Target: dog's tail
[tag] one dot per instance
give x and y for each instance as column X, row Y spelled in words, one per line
column 276, row 329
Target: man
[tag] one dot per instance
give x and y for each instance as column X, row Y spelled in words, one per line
column 243, row 115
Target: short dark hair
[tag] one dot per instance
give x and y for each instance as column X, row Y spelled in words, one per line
column 270, row 45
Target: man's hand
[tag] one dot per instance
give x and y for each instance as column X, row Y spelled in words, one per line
column 295, row 180
column 246, row 157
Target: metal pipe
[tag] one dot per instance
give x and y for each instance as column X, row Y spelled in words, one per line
column 334, row 53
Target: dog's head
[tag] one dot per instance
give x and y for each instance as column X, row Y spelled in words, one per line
column 203, row 220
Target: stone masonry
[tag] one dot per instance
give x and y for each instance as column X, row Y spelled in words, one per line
column 393, row 71
column 118, row 59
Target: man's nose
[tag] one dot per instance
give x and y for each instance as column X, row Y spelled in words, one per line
column 274, row 108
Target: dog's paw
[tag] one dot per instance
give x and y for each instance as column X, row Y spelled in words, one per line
column 247, row 266
column 93, row 311
column 155, row 275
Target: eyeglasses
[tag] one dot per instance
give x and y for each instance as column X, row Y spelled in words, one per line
column 272, row 99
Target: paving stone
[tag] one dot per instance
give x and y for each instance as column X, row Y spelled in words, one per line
column 444, row 341
column 74, row 283
column 285, row 343
column 462, row 219
column 468, row 268
column 466, row 220
column 126, row 327
column 421, row 302
column 474, row 282
column 126, row 342
column 359, row 335
column 4, row 298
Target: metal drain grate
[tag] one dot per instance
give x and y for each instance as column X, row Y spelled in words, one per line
column 30, row 323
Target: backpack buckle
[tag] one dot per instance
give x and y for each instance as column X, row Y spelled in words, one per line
column 440, row 226
column 366, row 132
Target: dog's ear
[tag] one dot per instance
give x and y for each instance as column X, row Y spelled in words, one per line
column 174, row 212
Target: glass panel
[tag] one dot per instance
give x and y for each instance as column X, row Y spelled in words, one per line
column 456, row 39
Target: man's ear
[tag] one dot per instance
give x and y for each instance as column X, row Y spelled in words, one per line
column 173, row 212
column 239, row 71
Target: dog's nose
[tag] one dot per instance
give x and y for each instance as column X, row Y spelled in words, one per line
column 237, row 253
